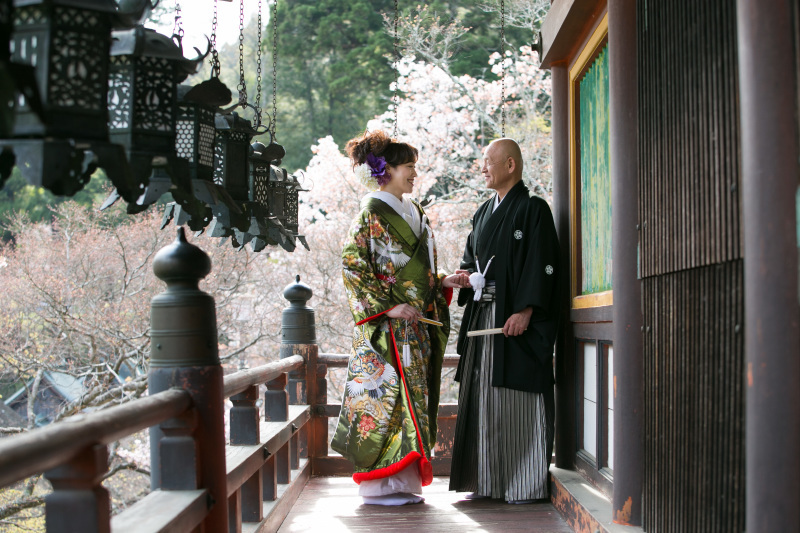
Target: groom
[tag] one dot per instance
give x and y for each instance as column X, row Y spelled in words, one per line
column 506, row 408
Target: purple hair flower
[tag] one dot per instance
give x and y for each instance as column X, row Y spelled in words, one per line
column 378, row 166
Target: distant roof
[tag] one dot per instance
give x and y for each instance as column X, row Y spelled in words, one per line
column 67, row 386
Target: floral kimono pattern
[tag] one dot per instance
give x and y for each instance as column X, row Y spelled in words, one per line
column 389, row 409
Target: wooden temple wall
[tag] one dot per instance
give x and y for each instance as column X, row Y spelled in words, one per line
column 691, row 267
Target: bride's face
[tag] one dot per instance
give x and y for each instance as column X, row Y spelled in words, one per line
column 403, row 177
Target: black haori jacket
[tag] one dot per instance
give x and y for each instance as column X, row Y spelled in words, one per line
column 521, row 236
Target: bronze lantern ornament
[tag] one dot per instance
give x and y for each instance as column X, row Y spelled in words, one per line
column 231, row 169
column 145, row 70
column 66, row 43
column 272, row 221
column 58, row 66
column 195, row 142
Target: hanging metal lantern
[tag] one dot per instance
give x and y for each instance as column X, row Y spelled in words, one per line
column 249, row 174
column 67, row 42
column 264, row 228
column 231, row 154
column 195, row 142
column 196, row 133
column 145, row 70
column 285, row 206
column 291, row 202
column 7, row 91
column 60, row 99
column 231, row 171
column 272, row 205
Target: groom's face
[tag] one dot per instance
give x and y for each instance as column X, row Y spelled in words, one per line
column 495, row 170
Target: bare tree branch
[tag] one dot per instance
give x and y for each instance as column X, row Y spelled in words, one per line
column 10, row 509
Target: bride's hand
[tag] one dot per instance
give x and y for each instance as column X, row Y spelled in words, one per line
column 459, row 279
column 405, row 311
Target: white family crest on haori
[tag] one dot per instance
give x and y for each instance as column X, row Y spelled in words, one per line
column 548, row 269
column 518, row 234
column 390, row 252
column 370, row 371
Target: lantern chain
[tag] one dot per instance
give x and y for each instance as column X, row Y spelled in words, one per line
column 395, row 99
column 502, row 67
column 258, row 68
column 177, row 28
column 215, row 69
column 274, row 68
column 242, row 85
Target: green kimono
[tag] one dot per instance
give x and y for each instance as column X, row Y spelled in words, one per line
column 388, row 416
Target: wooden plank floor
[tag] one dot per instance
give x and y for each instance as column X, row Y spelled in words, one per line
column 332, row 504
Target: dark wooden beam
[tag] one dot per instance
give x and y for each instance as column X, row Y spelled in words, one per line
column 172, row 510
column 769, row 159
column 627, row 309
column 29, row 453
column 565, row 357
column 240, row 381
column 566, row 26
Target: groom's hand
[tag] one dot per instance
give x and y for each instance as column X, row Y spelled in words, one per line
column 517, row 323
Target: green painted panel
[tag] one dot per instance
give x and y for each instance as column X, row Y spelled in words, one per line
column 595, row 179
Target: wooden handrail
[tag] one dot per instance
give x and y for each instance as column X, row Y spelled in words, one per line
column 42, row 449
column 240, row 381
column 339, row 360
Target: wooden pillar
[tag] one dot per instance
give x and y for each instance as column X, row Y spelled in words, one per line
column 306, row 385
column 276, row 409
column 283, row 467
column 184, row 354
column 234, row 510
column 178, row 453
column 565, row 356
column 318, row 425
column 245, row 427
column 769, row 142
column 294, row 448
column 270, row 477
column 78, row 501
column 246, row 430
column 628, row 377
column 276, row 400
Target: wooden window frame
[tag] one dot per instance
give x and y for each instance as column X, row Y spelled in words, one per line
column 597, row 41
column 595, row 469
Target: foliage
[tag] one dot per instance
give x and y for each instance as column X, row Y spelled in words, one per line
column 76, row 296
column 77, row 284
column 18, row 196
column 335, row 62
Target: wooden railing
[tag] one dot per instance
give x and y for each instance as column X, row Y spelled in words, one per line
column 199, row 482
column 266, row 460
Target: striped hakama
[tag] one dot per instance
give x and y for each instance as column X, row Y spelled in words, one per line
column 504, row 437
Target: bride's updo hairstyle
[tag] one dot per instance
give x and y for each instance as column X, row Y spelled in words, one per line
column 379, row 144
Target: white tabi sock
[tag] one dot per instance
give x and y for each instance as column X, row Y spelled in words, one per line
column 400, row 498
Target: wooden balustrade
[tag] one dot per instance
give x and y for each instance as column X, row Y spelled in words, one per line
column 198, row 481
column 26, row 454
column 267, row 459
column 263, row 460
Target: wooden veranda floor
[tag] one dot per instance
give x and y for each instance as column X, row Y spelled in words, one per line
column 332, row 504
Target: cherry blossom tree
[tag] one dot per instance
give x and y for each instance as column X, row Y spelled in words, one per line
column 76, row 300
column 77, row 291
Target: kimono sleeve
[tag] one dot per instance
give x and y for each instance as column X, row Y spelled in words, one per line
column 367, row 294
column 467, row 263
column 538, row 261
